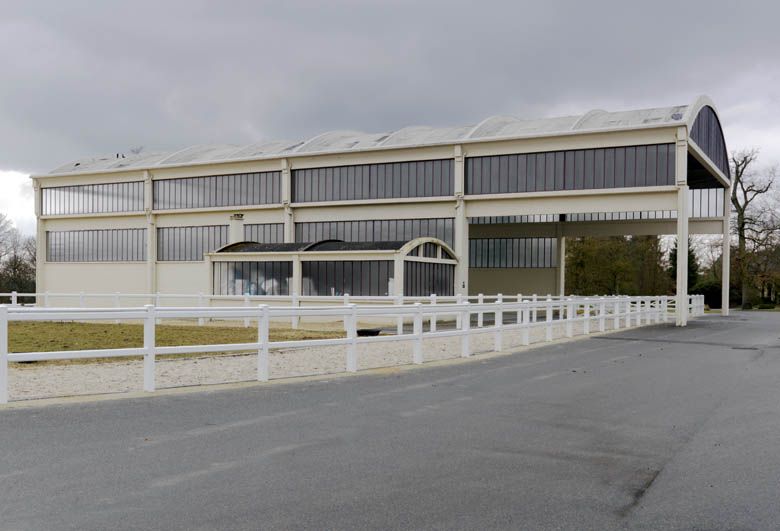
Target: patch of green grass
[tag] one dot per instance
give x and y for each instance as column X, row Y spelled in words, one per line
column 54, row 336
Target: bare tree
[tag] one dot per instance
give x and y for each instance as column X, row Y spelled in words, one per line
column 136, row 150
column 9, row 236
column 756, row 221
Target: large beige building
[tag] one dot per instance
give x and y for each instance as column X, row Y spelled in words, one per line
column 493, row 203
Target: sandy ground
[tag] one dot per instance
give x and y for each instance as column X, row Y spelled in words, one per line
column 29, row 381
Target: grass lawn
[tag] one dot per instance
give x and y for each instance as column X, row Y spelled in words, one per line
column 51, row 336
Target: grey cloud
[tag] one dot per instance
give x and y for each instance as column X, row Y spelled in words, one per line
column 81, row 78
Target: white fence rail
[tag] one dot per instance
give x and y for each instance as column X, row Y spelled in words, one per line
column 594, row 313
column 200, row 300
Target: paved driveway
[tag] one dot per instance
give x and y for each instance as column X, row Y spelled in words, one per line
column 657, row 428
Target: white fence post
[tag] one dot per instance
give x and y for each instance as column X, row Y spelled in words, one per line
column 3, row 354
column 525, row 337
column 480, row 314
column 150, row 323
column 616, row 313
column 296, row 303
column 465, row 319
column 458, row 314
column 201, row 320
column 263, row 372
column 548, row 310
column 498, row 326
column 46, row 299
column 14, row 298
column 586, row 314
column 351, row 326
column 399, row 324
column 570, row 316
column 519, row 311
column 117, row 304
column 602, row 315
column 433, row 313
column 418, row 334
column 534, row 311
column 665, row 309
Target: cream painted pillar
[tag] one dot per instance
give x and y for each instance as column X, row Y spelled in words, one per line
column 236, row 228
column 289, row 219
column 560, row 257
column 40, row 242
column 681, row 178
column 726, row 253
column 461, row 235
column 398, row 275
column 151, row 234
column 562, row 266
column 297, row 276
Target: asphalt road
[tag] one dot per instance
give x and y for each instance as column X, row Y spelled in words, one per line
column 655, row 428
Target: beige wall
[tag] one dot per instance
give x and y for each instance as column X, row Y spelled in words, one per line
column 512, row 281
column 94, row 278
column 183, row 277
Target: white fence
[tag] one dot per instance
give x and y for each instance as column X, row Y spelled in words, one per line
column 200, row 300
column 593, row 313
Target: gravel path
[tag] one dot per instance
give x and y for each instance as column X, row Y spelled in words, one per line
column 29, row 381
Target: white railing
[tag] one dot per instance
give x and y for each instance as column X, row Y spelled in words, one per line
column 594, row 313
column 200, row 300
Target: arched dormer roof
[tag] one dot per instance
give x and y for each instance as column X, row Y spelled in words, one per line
column 706, row 132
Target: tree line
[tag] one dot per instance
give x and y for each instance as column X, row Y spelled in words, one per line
column 640, row 265
column 17, row 259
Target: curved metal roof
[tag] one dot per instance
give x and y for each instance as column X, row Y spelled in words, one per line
column 492, row 128
column 331, row 245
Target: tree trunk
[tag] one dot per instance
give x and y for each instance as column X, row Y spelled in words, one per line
column 744, row 282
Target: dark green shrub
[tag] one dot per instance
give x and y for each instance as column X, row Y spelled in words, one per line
column 711, row 291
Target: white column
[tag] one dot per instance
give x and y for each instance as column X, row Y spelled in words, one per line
column 151, row 235
column 681, row 178
column 236, row 228
column 40, row 242
column 561, row 242
column 726, row 252
column 297, row 276
column 289, row 221
column 461, row 225
column 398, row 276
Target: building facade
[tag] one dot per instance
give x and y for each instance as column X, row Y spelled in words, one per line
column 503, row 194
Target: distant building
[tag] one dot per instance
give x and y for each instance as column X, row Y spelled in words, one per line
column 500, row 196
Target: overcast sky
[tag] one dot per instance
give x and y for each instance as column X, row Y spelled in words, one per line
column 82, row 78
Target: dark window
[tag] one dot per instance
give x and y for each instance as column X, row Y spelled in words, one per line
column 100, row 245
column 251, row 278
column 189, row 243
column 512, row 252
column 582, row 169
column 432, row 178
column 264, row 232
column 356, row 277
column 93, row 198
column 375, row 230
column 258, row 188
